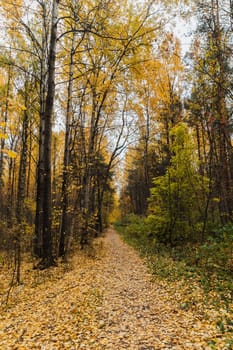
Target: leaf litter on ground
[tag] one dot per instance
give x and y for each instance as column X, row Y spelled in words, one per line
column 107, row 300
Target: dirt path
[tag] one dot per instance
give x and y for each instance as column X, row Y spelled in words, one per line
column 104, row 303
column 138, row 313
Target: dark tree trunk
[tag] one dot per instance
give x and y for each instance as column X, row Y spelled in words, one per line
column 22, row 180
column 65, row 196
column 37, row 241
column 47, row 254
column 21, row 193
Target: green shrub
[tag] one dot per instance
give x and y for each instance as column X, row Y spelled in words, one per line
column 138, row 232
column 210, row 263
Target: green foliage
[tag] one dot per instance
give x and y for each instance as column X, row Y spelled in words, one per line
column 137, row 231
column 209, row 263
column 177, row 198
column 225, row 325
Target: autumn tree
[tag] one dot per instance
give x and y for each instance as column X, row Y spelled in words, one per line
column 46, row 143
column 176, row 201
column 103, row 56
column 98, row 63
column 210, row 102
column 157, row 106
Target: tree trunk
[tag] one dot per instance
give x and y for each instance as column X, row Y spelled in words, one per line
column 21, row 193
column 37, row 241
column 22, row 180
column 5, row 118
column 65, row 230
column 47, row 256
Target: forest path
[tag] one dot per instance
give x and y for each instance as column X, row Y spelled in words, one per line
column 138, row 313
column 104, row 302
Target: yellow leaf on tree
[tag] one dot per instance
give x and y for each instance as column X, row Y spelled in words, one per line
column 10, row 153
column 3, row 136
column 216, row 199
column 24, row 108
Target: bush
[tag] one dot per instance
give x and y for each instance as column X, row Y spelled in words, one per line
column 138, row 232
column 211, row 262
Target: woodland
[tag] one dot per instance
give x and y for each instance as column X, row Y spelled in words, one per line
column 119, row 113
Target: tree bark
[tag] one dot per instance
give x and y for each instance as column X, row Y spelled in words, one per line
column 37, row 241
column 47, row 253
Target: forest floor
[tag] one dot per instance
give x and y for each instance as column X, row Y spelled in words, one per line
column 104, row 299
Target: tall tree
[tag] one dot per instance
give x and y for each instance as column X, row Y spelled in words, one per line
column 65, row 222
column 46, row 143
column 214, row 74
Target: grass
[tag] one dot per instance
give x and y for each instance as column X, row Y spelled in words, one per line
column 210, row 263
column 203, row 271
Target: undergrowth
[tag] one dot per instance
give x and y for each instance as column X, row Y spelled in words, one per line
column 210, row 263
column 205, row 267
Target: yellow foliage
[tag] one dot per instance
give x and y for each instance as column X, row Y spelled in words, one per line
column 23, row 108
column 3, row 136
column 10, row 153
